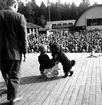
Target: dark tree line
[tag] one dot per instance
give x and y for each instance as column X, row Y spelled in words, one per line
column 58, row 11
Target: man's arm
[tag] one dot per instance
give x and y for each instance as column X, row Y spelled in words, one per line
column 23, row 36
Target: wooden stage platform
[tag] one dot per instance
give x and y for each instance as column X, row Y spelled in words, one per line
column 83, row 88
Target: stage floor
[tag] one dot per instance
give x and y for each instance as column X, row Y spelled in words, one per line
column 83, row 88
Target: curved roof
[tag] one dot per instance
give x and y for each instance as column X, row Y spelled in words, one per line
column 91, row 7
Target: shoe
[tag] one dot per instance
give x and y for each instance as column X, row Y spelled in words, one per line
column 71, row 73
column 65, row 75
column 16, row 99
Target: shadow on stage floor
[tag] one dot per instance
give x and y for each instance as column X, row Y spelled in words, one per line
column 37, row 79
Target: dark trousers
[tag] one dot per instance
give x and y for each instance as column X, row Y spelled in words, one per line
column 11, row 72
column 67, row 67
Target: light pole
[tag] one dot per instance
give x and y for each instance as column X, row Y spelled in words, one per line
column 49, row 13
column 48, row 3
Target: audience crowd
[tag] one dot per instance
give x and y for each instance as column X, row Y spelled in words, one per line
column 83, row 41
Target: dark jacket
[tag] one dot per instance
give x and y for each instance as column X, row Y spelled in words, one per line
column 44, row 61
column 13, row 35
column 63, row 59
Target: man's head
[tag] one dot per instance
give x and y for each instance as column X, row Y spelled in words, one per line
column 43, row 48
column 13, row 4
column 54, row 47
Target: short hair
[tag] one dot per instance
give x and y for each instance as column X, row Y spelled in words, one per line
column 42, row 48
column 11, row 2
column 55, row 46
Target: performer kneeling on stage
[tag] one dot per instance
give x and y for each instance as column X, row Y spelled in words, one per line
column 48, row 68
column 59, row 55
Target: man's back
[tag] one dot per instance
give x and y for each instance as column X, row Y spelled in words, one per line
column 12, row 46
column 13, row 33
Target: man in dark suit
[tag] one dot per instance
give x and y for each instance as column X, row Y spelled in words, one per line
column 13, row 40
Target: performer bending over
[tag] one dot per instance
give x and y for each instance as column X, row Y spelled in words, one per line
column 58, row 55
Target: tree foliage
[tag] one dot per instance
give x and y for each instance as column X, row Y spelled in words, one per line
column 3, row 4
column 83, row 6
column 40, row 15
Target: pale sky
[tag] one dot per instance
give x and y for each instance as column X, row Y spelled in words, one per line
column 77, row 2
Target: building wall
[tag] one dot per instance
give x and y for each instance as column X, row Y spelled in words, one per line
column 94, row 27
column 49, row 24
column 91, row 13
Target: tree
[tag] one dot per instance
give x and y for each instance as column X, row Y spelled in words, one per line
column 66, row 11
column 59, row 9
column 53, row 12
column 95, row 4
column 43, row 9
column 41, row 21
column 3, row 4
column 83, row 6
column 27, row 11
column 73, row 11
column 35, row 10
